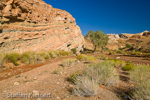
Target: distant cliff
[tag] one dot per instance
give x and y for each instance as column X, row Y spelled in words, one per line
column 137, row 40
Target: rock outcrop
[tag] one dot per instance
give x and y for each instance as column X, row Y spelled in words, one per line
column 125, row 35
column 34, row 25
column 113, row 38
column 113, row 41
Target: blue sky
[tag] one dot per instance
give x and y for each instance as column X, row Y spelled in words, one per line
column 110, row 16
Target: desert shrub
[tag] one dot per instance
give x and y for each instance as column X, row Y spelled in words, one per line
column 87, row 51
column 13, row 57
column 25, row 60
column 103, row 57
column 128, row 67
column 140, row 73
column 53, row 54
column 146, row 54
column 74, row 50
column 121, row 52
column 85, row 86
column 80, row 57
column 64, row 53
column 120, row 48
column 45, row 55
column 57, row 52
column 26, row 57
column 118, row 63
column 140, row 76
column 68, row 62
column 102, row 73
column 112, row 52
column 38, row 59
column 74, row 75
column 2, row 59
column 135, row 53
column 85, row 58
column 57, row 71
column 128, row 46
column 34, row 58
column 121, row 41
column 90, row 58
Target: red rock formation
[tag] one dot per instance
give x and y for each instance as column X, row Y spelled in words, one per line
column 34, row 25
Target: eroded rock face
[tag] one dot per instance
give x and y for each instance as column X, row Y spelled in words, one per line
column 34, row 25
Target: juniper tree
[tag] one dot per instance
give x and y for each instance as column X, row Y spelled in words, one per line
column 98, row 38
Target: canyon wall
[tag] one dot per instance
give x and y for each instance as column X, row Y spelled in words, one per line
column 34, row 25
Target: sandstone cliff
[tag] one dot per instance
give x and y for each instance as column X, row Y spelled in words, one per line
column 34, row 25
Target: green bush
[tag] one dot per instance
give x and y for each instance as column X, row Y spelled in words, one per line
column 140, row 76
column 128, row 46
column 120, row 48
column 128, row 67
column 13, row 57
column 74, row 50
column 68, row 62
column 85, row 58
column 80, row 57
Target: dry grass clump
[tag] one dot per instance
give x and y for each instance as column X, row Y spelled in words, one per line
column 68, row 62
column 104, row 73
column 82, row 57
column 86, row 84
column 140, row 76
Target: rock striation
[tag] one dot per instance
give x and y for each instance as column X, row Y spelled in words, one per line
column 34, row 25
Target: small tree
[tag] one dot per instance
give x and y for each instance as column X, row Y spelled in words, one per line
column 98, row 38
